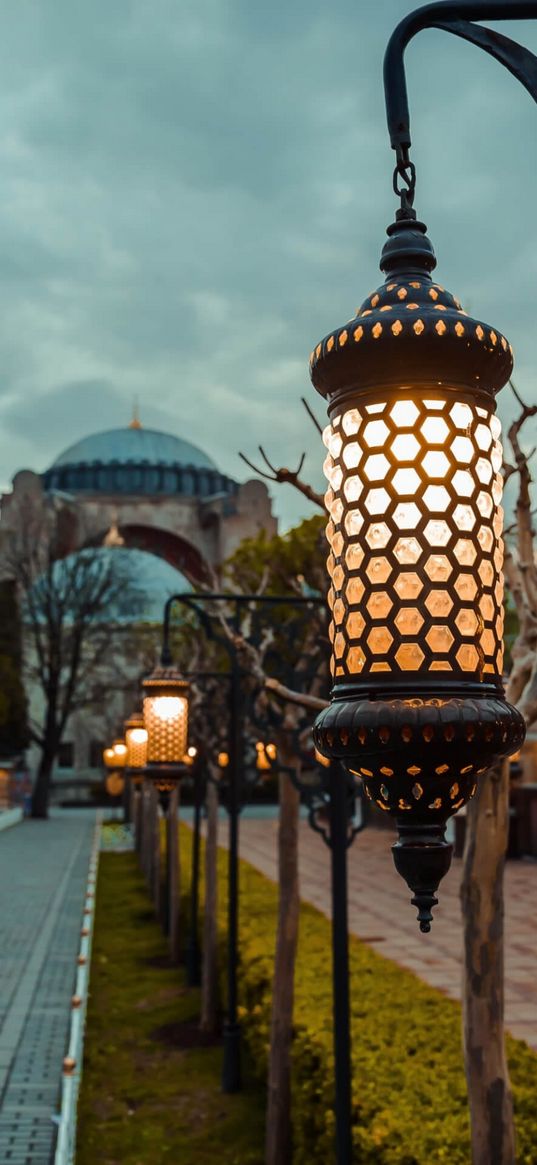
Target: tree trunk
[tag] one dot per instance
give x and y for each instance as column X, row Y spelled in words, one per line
column 489, row 1089
column 278, row 1126
column 138, row 820
column 41, row 790
column 174, row 890
column 144, row 829
column 209, row 973
column 156, row 887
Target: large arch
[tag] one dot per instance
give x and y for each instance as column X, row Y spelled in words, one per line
column 173, row 548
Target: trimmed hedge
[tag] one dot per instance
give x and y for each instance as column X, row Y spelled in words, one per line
column 409, row 1090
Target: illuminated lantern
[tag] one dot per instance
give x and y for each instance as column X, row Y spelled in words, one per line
column 166, row 721
column 136, row 742
column 415, row 533
column 109, row 758
column 266, row 754
column 223, row 760
column 119, row 749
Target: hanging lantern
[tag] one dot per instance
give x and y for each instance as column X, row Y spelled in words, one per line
column 109, row 758
column 266, row 754
column 136, row 742
column 415, row 533
column 166, row 722
column 119, row 749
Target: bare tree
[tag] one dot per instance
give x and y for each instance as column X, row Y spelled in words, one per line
column 487, row 827
column 68, row 604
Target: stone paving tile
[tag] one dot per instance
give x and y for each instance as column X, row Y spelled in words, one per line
column 43, row 873
column 380, row 912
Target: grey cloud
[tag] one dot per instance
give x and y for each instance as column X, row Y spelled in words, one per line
column 194, row 193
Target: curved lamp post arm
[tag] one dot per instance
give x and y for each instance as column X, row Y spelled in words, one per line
column 192, row 599
column 457, row 18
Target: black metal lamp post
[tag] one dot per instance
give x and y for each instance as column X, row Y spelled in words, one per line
column 331, row 801
column 414, row 467
column 231, row 1068
column 192, row 959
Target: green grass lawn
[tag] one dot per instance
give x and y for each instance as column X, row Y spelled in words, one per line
column 150, row 1094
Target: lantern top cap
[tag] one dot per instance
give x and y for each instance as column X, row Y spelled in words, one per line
column 165, row 681
column 135, row 720
column 408, row 250
column 410, row 333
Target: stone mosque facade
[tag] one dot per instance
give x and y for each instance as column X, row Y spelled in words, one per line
column 163, row 499
column 161, row 493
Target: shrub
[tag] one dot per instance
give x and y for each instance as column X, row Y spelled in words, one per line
column 409, row 1090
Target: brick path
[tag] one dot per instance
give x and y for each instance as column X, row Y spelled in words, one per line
column 43, row 872
column 380, row 912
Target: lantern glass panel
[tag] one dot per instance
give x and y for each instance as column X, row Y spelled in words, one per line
column 441, row 547
column 119, row 750
column 166, row 721
column 136, row 741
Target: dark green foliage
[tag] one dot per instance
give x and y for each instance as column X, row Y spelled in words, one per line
column 13, row 722
column 409, row 1089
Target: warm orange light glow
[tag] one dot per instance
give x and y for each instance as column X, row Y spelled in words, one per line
column 415, row 534
column 119, row 749
column 262, row 763
column 166, row 716
column 167, row 707
column 223, row 760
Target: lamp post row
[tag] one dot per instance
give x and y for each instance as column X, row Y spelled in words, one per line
column 418, row 710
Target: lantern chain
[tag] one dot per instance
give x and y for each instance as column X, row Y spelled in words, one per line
column 404, row 183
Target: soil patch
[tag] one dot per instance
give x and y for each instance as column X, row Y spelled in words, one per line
column 184, row 1035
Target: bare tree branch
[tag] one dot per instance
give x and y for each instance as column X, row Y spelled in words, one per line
column 286, row 476
column 311, row 415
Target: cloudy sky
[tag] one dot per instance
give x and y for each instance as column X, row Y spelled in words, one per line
column 193, row 192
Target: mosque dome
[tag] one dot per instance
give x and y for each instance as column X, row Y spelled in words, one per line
column 134, row 445
column 135, row 460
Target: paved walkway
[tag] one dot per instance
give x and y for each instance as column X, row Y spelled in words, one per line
column 380, row 912
column 43, row 872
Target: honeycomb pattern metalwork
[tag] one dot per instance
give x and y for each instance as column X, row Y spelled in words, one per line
column 165, row 716
column 166, row 720
column 415, row 528
column 136, row 741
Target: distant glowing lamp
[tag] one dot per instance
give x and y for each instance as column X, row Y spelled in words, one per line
column 119, row 749
column 136, row 742
column 223, row 760
column 190, row 755
column 166, row 722
column 109, row 758
column 266, row 754
column 414, row 465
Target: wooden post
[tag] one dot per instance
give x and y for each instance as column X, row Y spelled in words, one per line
column 209, row 973
column 155, row 849
column 489, row 1089
column 144, row 831
column 278, row 1125
column 174, row 896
